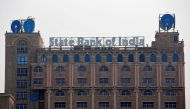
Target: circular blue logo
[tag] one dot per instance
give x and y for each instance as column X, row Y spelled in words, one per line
column 16, row 26
column 29, row 25
column 167, row 22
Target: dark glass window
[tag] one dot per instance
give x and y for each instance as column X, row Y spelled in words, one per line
column 147, row 68
column 22, row 43
column 153, row 58
column 125, row 81
column 148, row 105
column 60, row 81
column 76, row 58
column 38, row 69
column 104, row 93
column 82, row 93
column 109, row 58
column 170, row 80
column 59, row 93
column 141, row 58
column 59, row 105
column 103, row 104
column 175, row 57
column 82, row 105
column 87, row 58
column 125, row 104
column 119, row 58
column 82, row 80
column 170, row 68
column 170, row 105
column 148, row 93
column 22, row 50
column 103, row 80
column 103, row 68
column 130, row 58
column 125, row 68
column 43, row 58
column 38, row 81
column 22, row 71
column 21, row 106
column 23, row 59
column 60, row 69
column 125, row 93
column 21, row 95
column 65, row 58
column 170, row 93
column 82, row 68
column 164, row 58
column 147, row 80
column 21, row 83
column 98, row 58
column 54, row 58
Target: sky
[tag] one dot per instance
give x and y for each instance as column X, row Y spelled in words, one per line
column 102, row 18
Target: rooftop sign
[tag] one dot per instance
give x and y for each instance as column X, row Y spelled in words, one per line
column 97, row 41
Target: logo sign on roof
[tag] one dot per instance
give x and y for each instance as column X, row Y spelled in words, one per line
column 97, row 41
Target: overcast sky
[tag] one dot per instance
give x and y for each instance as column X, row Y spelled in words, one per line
column 58, row 18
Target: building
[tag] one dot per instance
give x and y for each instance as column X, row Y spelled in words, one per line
column 7, row 101
column 95, row 77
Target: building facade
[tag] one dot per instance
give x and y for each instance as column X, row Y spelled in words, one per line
column 95, row 78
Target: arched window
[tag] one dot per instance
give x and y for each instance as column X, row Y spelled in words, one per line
column 22, row 47
column 130, row 58
column 103, row 93
column 65, row 58
column 125, row 92
column 87, row 58
column 119, row 58
column 82, row 68
column 21, row 43
column 76, row 58
column 148, row 93
column 43, row 58
column 59, row 93
column 175, row 57
column 60, row 69
column 170, row 93
column 109, row 58
column 54, row 58
column 98, row 58
column 38, row 69
column 82, row 93
column 153, row 58
column 141, row 58
column 125, row 68
column 103, row 68
column 164, row 58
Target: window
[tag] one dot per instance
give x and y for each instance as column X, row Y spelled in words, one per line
column 59, row 93
column 119, row 58
column 170, row 93
column 147, row 80
column 43, row 58
column 153, row 58
column 21, row 95
column 125, row 68
column 164, row 58
column 82, row 80
column 82, row 104
column 170, row 68
column 38, row 69
column 148, row 105
column 125, row 104
column 21, row 83
column 147, row 68
column 175, row 38
column 170, row 105
column 125, row 92
column 103, row 104
column 76, row 58
column 23, row 59
column 130, row 58
column 103, row 80
column 87, row 58
column 21, row 106
column 22, row 71
column 60, row 81
column 109, row 58
column 170, row 80
column 148, row 93
column 22, row 43
column 103, row 93
column 22, row 50
column 38, row 81
column 175, row 57
column 60, row 69
column 82, row 68
column 141, row 58
column 59, row 105
column 54, row 58
column 103, row 68
column 65, row 58
column 82, row 93
column 98, row 58
column 125, row 81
